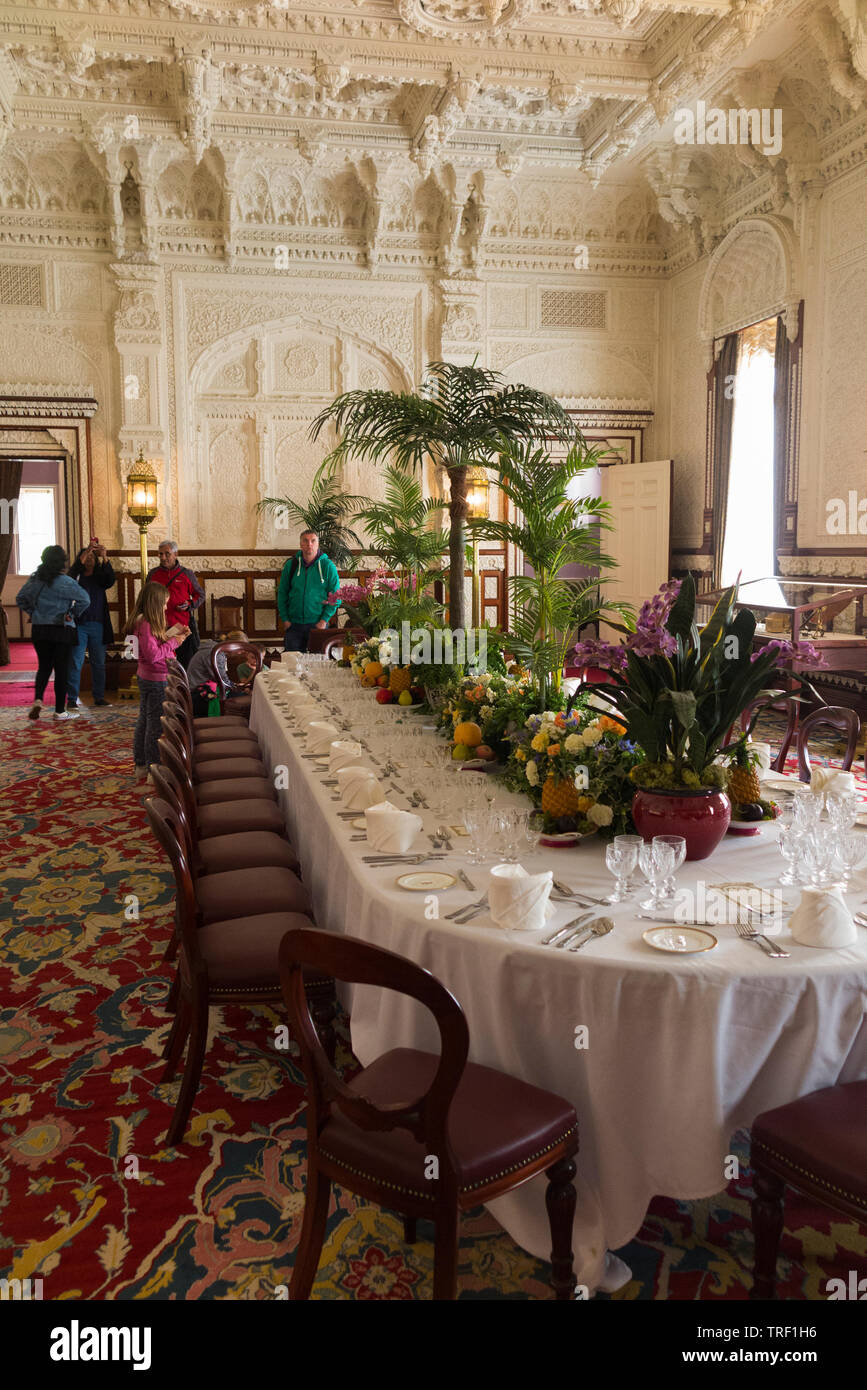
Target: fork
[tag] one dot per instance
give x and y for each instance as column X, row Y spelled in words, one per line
column 443, row 835
column 748, row 933
column 565, row 891
column 468, row 907
column 860, row 918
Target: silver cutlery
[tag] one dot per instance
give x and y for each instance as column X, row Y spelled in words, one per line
column 419, row 800
column 390, row 861
column 442, row 831
column 468, row 907
column 566, row 932
column 750, row 934
column 860, row 918
column 435, row 841
column 568, row 892
column 600, row 926
column 468, row 883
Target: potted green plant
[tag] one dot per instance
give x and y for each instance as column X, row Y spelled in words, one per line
column 679, row 689
column 459, row 417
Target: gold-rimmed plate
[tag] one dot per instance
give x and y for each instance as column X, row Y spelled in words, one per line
column 322, row 758
column 679, row 940
column 426, row 881
column 360, row 824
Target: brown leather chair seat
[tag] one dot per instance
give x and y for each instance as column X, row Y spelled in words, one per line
column 239, row 817
column 244, row 951
column 818, row 1142
column 220, row 721
column 238, row 704
column 486, row 1141
column 226, row 748
column 234, row 789
column 251, row 893
column 254, row 849
column 218, row 769
column 233, row 734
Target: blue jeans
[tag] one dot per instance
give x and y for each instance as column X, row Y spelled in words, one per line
column 295, row 637
column 89, row 638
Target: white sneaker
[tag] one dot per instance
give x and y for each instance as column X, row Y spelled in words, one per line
column 67, row 714
column 74, row 704
column 35, row 710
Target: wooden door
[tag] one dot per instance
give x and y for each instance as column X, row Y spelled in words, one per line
column 640, row 498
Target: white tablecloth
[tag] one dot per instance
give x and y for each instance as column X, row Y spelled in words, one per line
column 682, row 1051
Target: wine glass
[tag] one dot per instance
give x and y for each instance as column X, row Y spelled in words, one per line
column 477, row 823
column 656, row 861
column 620, row 860
column 630, row 841
column 791, row 835
column 806, row 806
column 678, row 845
column 842, row 808
column 850, row 850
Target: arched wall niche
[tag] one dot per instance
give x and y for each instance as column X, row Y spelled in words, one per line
column 754, row 273
column 252, row 396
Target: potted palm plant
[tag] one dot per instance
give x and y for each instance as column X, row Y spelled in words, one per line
column 459, row 418
column 678, row 689
column 555, row 532
column 328, row 511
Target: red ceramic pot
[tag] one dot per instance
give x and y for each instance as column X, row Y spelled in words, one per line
column 702, row 817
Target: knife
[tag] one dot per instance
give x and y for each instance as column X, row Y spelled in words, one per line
column 467, row 882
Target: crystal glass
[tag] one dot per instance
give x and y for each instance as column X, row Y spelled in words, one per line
column 678, row 845
column 479, row 826
column 818, row 849
column 806, row 807
column 508, row 832
column 531, row 827
column 635, row 841
column 849, row 851
column 791, row 835
column 842, row 809
column 620, row 860
column 656, row 862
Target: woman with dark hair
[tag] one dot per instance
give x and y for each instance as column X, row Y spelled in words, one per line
column 53, row 601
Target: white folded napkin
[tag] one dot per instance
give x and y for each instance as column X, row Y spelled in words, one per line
column 389, row 829
column 518, row 899
column 360, row 792
column 763, row 750
column 345, row 752
column 320, row 735
column 288, row 685
column 823, row 919
column 305, row 710
column 291, row 661
column 832, row 780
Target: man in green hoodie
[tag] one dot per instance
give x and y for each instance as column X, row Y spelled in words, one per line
column 307, row 580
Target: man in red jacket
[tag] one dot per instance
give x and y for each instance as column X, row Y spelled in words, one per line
column 185, row 596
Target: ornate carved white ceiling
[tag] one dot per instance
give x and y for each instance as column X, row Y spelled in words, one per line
column 202, row 99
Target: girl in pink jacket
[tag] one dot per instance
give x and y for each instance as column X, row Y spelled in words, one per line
column 152, row 643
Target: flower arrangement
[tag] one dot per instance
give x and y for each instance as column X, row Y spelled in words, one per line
column 576, row 768
column 495, row 703
column 678, row 688
column 362, row 602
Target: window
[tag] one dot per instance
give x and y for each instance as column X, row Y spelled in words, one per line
column 37, row 524
column 749, row 534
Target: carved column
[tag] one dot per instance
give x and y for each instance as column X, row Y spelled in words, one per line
column 139, row 328
column 462, row 320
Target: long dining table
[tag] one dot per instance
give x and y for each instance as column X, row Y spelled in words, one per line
column 663, row 1056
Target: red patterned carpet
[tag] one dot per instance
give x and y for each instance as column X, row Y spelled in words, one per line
column 91, row 1201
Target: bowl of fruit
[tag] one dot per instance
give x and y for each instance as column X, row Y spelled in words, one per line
column 749, row 807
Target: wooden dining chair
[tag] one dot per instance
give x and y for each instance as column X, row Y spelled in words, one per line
column 209, row 763
column 789, row 707
column 226, row 960
column 838, row 717
column 232, row 702
column 422, row 1134
column 818, row 1145
column 206, row 727
column 227, row 807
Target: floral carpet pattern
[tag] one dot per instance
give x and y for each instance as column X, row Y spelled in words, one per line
column 94, row 1205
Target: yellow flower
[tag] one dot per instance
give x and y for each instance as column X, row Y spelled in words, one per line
column 520, row 755
column 540, row 742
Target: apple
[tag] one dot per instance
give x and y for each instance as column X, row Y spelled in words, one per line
column 483, row 751
column 384, row 697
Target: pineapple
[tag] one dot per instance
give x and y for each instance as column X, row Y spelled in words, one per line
column 743, row 781
column 400, row 679
column 560, row 797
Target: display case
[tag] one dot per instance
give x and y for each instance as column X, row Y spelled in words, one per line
column 826, row 613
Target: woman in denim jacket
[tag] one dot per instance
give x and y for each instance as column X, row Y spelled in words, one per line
column 53, row 601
